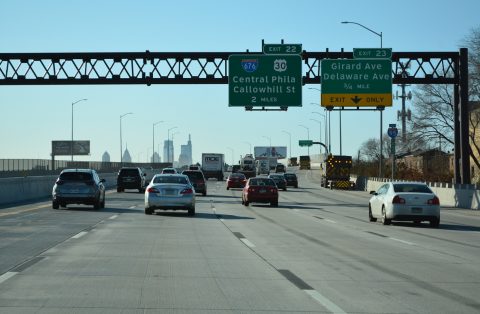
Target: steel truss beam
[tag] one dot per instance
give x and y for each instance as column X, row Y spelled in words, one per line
column 193, row 67
column 212, row 68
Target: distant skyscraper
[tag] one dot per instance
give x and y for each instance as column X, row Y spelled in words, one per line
column 185, row 157
column 156, row 157
column 168, row 150
column 126, row 156
column 106, row 157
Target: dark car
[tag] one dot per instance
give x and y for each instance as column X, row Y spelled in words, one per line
column 260, row 190
column 131, row 178
column 235, row 168
column 78, row 186
column 279, row 181
column 280, row 168
column 197, row 180
column 236, row 180
column 292, row 179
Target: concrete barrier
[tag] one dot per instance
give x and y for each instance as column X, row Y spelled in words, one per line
column 21, row 189
column 465, row 196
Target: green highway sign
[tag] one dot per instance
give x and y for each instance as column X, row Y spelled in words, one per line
column 282, row 49
column 372, row 53
column 356, row 82
column 305, row 143
column 264, row 80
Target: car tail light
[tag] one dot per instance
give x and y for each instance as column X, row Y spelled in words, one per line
column 152, row 190
column 398, row 200
column 274, row 190
column 187, row 191
column 251, row 189
column 433, row 201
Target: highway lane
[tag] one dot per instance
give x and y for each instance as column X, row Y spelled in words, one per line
column 316, row 253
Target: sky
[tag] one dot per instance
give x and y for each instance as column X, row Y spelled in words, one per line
column 33, row 116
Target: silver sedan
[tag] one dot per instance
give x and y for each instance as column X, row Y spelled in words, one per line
column 404, row 201
column 170, row 191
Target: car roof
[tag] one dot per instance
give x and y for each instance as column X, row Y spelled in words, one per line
column 77, row 170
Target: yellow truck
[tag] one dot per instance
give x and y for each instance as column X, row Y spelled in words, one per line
column 336, row 172
column 304, row 162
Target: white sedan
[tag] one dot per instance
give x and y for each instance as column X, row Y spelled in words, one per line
column 404, row 201
column 170, row 191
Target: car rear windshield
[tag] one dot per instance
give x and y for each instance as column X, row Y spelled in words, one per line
column 415, row 188
column 129, row 172
column 237, row 175
column 76, row 176
column 290, row 175
column 194, row 175
column 262, row 182
column 170, row 179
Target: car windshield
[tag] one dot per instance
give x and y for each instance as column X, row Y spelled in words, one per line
column 262, row 182
column 129, row 172
column 414, row 188
column 76, row 176
column 170, row 179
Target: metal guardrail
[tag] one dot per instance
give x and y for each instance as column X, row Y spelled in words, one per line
column 40, row 167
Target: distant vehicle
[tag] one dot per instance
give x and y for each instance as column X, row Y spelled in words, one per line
column 305, row 162
column 212, row 165
column 280, row 168
column 336, row 172
column 272, row 162
column 404, row 201
column 279, row 180
column 169, row 191
column 236, row 180
column 131, row 178
column 291, row 179
column 262, row 166
column 78, row 186
column 235, row 168
column 247, row 166
column 169, row 171
column 260, row 190
column 194, row 167
column 197, row 180
column 149, row 173
column 292, row 162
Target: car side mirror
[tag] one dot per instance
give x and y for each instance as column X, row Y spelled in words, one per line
column 373, row 193
column 144, row 174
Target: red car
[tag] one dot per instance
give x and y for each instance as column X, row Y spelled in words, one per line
column 236, row 180
column 260, row 190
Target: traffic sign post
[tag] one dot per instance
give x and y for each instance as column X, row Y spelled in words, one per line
column 265, row 80
column 356, row 82
column 392, row 132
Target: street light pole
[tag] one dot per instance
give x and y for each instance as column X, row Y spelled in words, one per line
column 121, row 141
column 380, row 168
column 250, row 144
column 231, row 150
column 308, row 137
column 320, row 128
column 71, row 144
column 327, row 141
column 290, row 136
column 153, row 154
column 168, row 143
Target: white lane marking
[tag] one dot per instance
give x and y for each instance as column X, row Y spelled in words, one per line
column 132, row 207
column 113, row 217
column 402, row 241
column 332, row 221
column 79, row 235
column 332, row 307
column 248, row 243
column 7, row 275
column 222, row 220
column 296, row 210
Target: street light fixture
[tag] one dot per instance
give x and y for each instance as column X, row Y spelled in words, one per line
column 327, row 135
column 73, row 103
column 153, row 154
column 290, row 136
column 121, row 141
column 168, row 142
column 308, row 136
column 380, row 168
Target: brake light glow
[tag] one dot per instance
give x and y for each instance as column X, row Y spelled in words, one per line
column 152, row 190
column 187, row 191
column 398, row 200
column 433, row 201
column 251, row 189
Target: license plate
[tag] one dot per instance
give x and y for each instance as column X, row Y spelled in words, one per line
column 262, row 191
column 416, row 210
column 170, row 192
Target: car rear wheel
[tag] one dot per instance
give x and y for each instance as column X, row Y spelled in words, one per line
column 274, row 204
column 435, row 223
column 148, row 211
column 191, row 211
column 55, row 205
column 119, row 190
column 385, row 220
column 204, row 193
column 97, row 204
column 228, row 188
column 370, row 216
